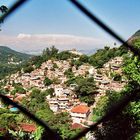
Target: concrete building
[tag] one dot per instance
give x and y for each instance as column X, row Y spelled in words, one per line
column 80, row 113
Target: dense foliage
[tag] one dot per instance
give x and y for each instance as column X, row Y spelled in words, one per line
column 8, row 60
column 126, row 124
column 7, row 54
column 47, row 81
column 104, row 55
column 69, row 73
column 85, row 88
column 59, row 122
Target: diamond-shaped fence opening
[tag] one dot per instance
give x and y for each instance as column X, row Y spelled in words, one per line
column 116, row 108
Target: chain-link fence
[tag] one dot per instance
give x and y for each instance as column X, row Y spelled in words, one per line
column 114, row 110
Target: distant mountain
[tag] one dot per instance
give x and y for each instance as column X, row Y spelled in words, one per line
column 135, row 36
column 11, row 61
column 9, row 55
column 88, row 51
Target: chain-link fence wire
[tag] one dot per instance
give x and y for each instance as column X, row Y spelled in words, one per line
column 114, row 110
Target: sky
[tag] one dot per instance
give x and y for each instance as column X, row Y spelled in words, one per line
column 42, row 23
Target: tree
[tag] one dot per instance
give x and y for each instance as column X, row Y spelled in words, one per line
column 64, row 55
column 49, row 53
column 55, row 66
column 104, row 55
column 28, row 69
column 126, row 124
column 83, row 58
column 69, row 73
column 49, row 91
column 117, row 77
column 7, row 119
column 18, row 89
column 36, row 101
column 122, row 126
column 86, row 89
column 38, row 133
column 47, row 81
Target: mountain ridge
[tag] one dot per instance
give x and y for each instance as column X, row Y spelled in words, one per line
column 11, row 60
column 7, row 54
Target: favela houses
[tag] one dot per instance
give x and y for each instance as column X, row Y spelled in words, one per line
column 60, row 76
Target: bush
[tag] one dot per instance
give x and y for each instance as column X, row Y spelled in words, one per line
column 47, row 81
column 28, row 69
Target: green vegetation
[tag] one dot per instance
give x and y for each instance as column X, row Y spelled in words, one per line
column 116, row 76
column 28, row 69
column 136, row 34
column 9, row 55
column 76, row 63
column 86, row 88
column 104, row 55
column 55, row 66
column 69, row 73
column 8, row 69
column 59, row 122
column 47, row 81
column 7, row 119
column 18, row 89
column 64, row 55
column 50, row 53
column 126, row 125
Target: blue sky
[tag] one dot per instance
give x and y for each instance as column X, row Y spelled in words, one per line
column 39, row 18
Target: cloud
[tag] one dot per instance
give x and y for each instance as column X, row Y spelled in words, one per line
column 37, row 42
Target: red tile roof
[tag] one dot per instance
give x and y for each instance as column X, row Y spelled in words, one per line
column 2, row 129
column 77, row 126
column 80, row 109
column 28, row 127
column 19, row 98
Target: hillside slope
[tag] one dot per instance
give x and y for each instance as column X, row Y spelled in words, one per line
column 7, row 55
column 10, row 61
column 104, row 55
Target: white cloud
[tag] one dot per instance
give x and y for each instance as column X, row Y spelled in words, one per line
column 59, row 39
column 38, row 42
column 23, row 36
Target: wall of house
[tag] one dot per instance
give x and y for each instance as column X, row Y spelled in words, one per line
column 54, row 108
column 78, row 115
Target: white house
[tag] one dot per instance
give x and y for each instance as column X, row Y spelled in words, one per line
column 79, row 113
column 63, row 102
column 58, row 91
column 53, row 103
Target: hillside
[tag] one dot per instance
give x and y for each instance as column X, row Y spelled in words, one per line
column 53, row 84
column 102, row 56
column 134, row 38
column 8, row 55
column 136, row 34
column 10, row 60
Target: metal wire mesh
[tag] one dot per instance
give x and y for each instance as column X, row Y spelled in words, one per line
column 116, row 109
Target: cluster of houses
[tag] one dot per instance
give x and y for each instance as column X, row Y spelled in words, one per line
column 11, row 61
column 114, row 64
column 54, row 70
column 105, row 82
column 63, row 98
